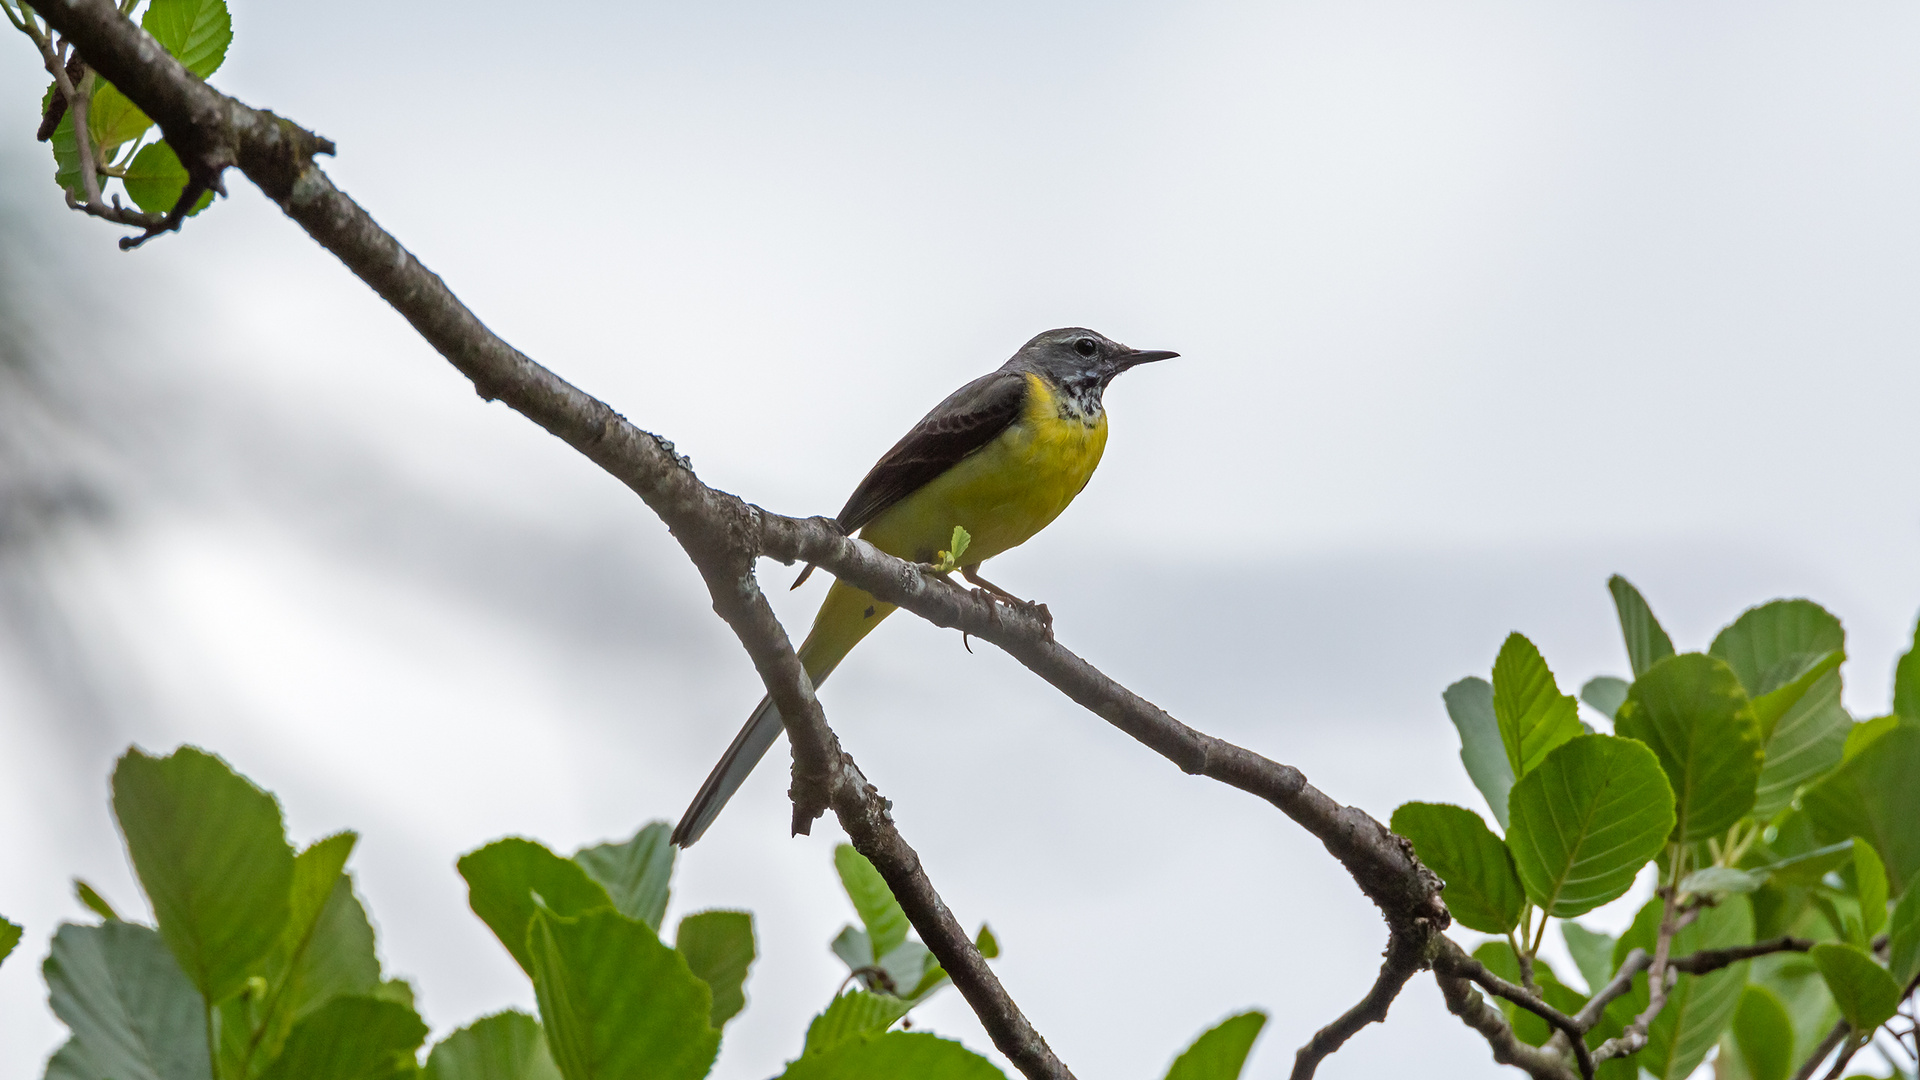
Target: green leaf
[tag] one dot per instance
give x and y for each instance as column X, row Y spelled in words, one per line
column 859, row 1012
column 504, row 1046
column 9, row 936
column 503, row 878
column 986, row 943
column 155, row 180
column 93, row 901
column 1691, row 710
column 211, row 851
column 1699, row 1007
column 616, row 1003
column 1805, row 742
column 66, row 158
column 196, row 32
column 896, row 1055
column 1470, row 706
column 853, row 948
column 1772, row 645
column 1483, row 890
column 1647, row 644
column 1533, row 714
column 1585, row 822
column 636, row 874
column 351, row 1038
column 1906, row 681
column 1592, row 953
column 1864, row 732
column 1772, row 705
column 912, row 970
column 1870, row 887
column 718, row 946
column 1867, row 994
column 113, row 119
column 1220, row 1052
column 1721, row 879
column 1903, row 936
column 133, row 1013
column 1764, row 1033
column 1874, row 796
column 1605, row 693
column 336, row 958
column 886, row 924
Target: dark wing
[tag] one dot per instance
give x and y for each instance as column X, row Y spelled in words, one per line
column 969, row 419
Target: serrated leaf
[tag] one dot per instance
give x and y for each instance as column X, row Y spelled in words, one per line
column 895, row 1055
column 1764, row 1033
column 196, row 32
column 337, row 958
column 114, row 120
column 504, row 877
column 1470, row 707
column 351, row 1038
column 1604, row 693
column 1699, row 1007
column 1482, row 888
column 1585, row 822
column 1772, row 705
column 155, row 180
column 504, row 1046
column 1771, row 645
column 886, row 923
column 1865, row 991
column 1805, row 742
column 858, row 1012
column 1692, row 711
column 134, row 1014
column 718, row 946
column 1647, row 643
column 1874, row 796
column 1221, row 1051
column 637, row 874
column 211, row 850
column 1592, row 953
column 1534, row 716
column 615, row 1002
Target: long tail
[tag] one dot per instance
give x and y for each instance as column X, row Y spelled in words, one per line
column 847, row 615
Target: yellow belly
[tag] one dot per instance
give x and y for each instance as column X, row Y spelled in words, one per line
column 1002, row 494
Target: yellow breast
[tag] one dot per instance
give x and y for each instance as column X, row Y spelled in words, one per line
column 1004, row 492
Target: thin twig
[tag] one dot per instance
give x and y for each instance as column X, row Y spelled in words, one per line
column 1850, row 1048
column 1812, row 1064
column 1708, row 960
column 1634, row 1037
column 1405, row 957
column 1466, row 1003
column 1448, row 957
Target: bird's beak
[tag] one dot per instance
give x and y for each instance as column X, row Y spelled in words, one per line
column 1135, row 357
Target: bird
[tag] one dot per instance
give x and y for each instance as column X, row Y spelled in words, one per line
column 1001, row 457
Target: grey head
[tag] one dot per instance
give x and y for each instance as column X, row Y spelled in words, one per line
column 1079, row 360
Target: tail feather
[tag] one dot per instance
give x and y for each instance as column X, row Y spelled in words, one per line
column 762, row 728
column 846, row 616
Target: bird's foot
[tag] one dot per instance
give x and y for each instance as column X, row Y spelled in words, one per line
column 1031, row 607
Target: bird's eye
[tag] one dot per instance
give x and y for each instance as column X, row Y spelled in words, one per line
column 1086, row 346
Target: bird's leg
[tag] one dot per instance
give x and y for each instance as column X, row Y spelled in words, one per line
column 972, row 574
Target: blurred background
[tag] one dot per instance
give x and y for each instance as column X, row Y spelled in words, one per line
column 1478, row 303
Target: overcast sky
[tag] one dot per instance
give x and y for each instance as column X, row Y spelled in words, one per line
column 1478, row 303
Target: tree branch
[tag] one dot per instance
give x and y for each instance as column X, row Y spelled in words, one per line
column 1405, row 956
column 1448, row 957
column 1708, row 960
column 211, row 132
column 1466, row 1003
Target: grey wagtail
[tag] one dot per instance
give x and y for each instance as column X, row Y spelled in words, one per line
column 1000, row 458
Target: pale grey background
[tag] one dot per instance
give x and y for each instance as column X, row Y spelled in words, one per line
column 1479, row 303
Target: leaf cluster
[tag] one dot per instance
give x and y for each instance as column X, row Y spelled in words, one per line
column 1764, row 808
column 261, row 963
